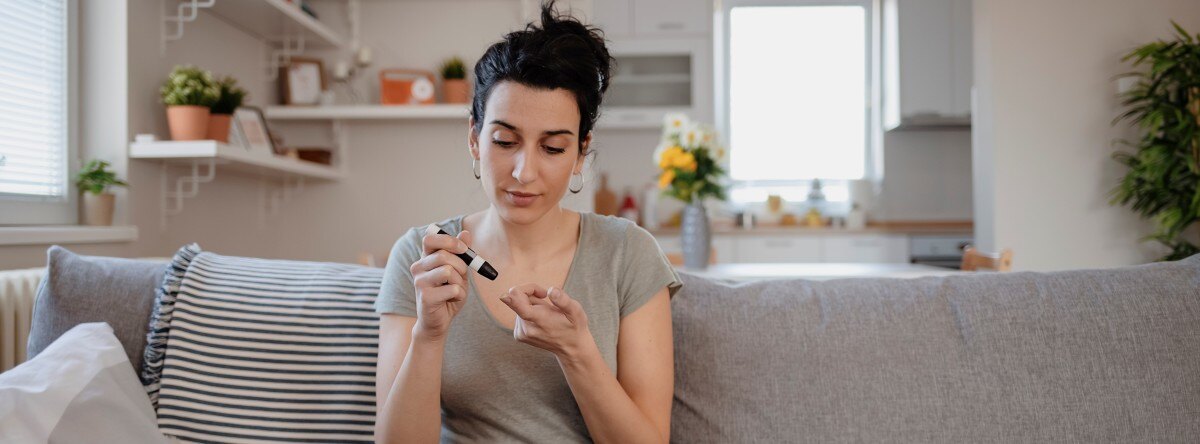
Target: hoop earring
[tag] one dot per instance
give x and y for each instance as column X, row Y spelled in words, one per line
column 475, row 168
column 581, row 181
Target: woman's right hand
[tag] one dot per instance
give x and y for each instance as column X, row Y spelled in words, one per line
column 440, row 279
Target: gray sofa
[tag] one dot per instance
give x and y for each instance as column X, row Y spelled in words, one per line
column 1083, row 356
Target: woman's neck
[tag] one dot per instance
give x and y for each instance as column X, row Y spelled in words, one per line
column 526, row 243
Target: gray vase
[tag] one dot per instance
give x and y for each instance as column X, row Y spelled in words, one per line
column 696, row 236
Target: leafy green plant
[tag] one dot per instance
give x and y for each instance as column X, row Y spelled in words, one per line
column 1164, row 168
column 189, row 85
column 454, row 69
column 230, row 96
column 95, row 178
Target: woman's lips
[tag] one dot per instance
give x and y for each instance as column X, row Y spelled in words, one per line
column 521, row 199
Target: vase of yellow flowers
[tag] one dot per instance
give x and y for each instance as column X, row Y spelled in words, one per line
column 689, row 157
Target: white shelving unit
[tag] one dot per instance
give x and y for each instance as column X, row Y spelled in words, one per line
column 368, row 112
column 279, row 177
column 278, row 20
column 232, row 158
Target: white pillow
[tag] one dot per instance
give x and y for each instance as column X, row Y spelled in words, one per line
column 81, row 388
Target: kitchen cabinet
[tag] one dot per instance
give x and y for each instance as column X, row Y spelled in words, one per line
column 654, row 18
column 654, row 77
column 803, row 248
column 865, row 248
column 779, row 248
column 927, row 63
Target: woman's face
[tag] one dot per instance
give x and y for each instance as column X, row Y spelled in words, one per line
column 528, row 148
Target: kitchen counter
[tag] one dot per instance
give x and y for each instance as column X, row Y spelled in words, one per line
column 891, row 227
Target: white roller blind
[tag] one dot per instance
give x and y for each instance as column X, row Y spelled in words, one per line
column 33, row 99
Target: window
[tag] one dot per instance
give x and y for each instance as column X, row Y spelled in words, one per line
column 35, row 112
column 796, row 96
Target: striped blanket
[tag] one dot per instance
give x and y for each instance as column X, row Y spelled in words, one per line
column 245, row 349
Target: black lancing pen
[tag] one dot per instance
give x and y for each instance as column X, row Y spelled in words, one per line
column 472, row 259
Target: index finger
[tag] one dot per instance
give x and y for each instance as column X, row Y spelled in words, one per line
column 435, row 241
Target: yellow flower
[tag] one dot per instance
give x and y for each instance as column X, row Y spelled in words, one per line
column 685, row 161
column 666, row 178
column 669, row 157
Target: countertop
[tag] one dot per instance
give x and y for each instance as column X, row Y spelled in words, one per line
column 884, row 227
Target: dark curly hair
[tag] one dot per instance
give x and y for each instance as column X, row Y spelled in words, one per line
column 562, row 53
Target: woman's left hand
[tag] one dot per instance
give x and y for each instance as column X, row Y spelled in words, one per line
column 548, row 319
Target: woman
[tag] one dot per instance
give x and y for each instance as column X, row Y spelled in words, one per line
column 572, row 342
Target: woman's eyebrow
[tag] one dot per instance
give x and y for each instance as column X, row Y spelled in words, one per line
column 514, row 128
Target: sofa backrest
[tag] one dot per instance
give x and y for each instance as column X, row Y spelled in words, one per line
column 1092, row 355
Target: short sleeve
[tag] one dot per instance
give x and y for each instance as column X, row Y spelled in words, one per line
column 396, row 292
column 645, row 270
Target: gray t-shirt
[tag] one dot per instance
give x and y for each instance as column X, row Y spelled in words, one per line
column 495, row 389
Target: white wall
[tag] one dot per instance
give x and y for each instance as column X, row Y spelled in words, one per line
column 1045, row 100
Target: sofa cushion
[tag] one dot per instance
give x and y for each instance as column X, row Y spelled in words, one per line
column 266, row 350
column 79, row 289
column 80, row 388
column 1093, row 355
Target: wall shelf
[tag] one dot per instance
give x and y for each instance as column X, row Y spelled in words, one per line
column 232, row 158
column 276, row 21
column 368, row 112
column 279, row 177
column 273, row 20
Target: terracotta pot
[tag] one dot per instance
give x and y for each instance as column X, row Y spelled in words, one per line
column 188, row 122
column 98, row 209
column 456, row 91
column 218, row 127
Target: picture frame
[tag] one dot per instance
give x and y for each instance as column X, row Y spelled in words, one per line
column 301, row 81
column 252, row 131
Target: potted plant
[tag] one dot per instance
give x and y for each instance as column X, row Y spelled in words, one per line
column 230, row 97
column 688, row 158
column 93, row 182
column 1163, row 180
column 454, row 81
column 189, row 93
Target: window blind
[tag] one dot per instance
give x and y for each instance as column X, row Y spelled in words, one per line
column 33, row 99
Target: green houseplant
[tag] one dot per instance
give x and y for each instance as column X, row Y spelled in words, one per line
column 93, row 182
column 454, row 81
column 230, row 97
column 1164, row 168
column 189, row 92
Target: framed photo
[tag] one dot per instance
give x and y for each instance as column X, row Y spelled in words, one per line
column 252, row 131
column 301, row 81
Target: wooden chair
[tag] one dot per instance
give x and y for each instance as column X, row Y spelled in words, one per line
column 974, row 259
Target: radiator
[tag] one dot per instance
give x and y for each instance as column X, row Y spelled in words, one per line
column 18, row 288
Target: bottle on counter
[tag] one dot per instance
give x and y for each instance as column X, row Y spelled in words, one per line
column 650, row 206
column 629, row 208
column 856, row 219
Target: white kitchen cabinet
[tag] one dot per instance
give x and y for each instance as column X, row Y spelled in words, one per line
column 655, row 77
column 778, row 248
column 927, row 63
column 802, row 248
column 859, row 248
column 615, row 17
column 654, row 18
column 672, row 18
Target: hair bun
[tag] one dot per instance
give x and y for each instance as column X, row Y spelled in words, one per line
column 557, row 52
column 557, row 25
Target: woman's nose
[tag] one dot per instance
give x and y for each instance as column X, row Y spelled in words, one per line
column 525, row 167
